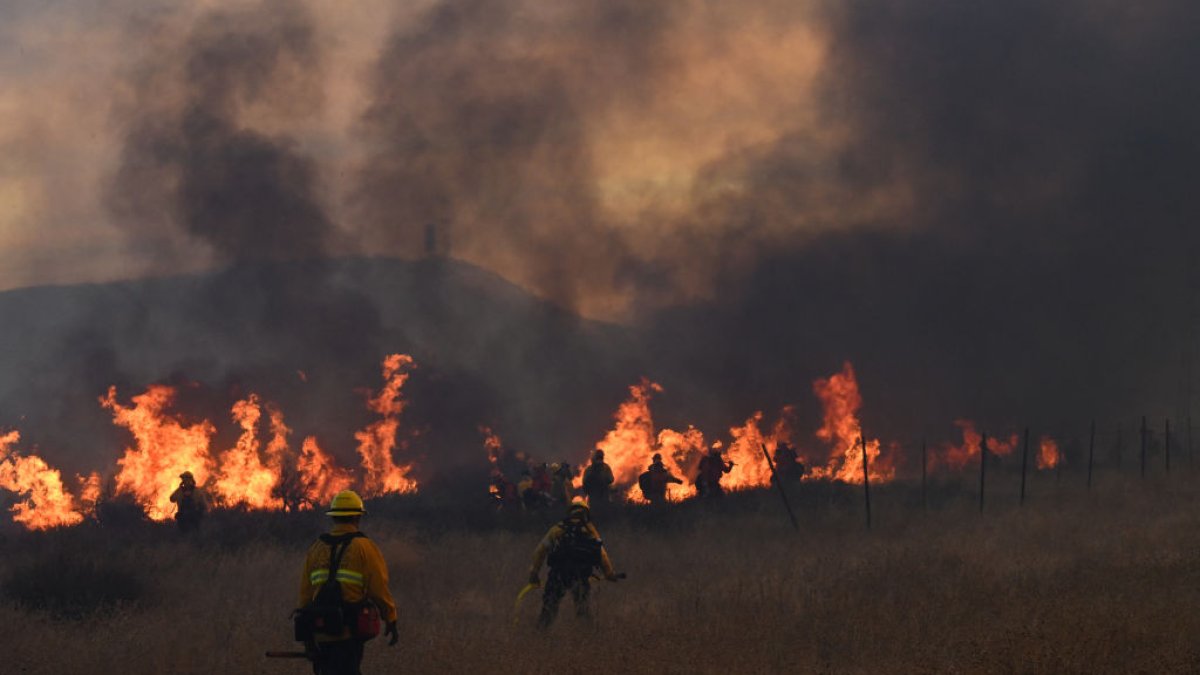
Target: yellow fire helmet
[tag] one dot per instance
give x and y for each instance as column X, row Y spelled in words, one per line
column 579, row 506
column 346, row 503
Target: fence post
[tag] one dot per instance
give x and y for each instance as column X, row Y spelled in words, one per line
column 1024, row 465
column 866, row 476
column 1167, row 445
column 1144, row 432
column 982, row 468
column 1091, row 453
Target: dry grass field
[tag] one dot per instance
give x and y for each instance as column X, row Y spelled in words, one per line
column 1073, row 582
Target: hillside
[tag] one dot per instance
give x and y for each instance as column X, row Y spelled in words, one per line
column 307, row 336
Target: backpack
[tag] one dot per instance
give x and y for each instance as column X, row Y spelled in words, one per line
column 596, row 479
column 189, row 504
column 576, row 550
column 329, row 613
column 646, row 483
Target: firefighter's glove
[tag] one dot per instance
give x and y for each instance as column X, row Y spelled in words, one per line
column 533, row 579
column 392, row 633
column 612, row 576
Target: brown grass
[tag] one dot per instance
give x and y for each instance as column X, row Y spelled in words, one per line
column 1106, row 582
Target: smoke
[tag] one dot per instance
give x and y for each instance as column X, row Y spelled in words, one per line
column 196, row 163
column 1011, row 227
column 986, row 207
column 480, row 123
column 191, row 162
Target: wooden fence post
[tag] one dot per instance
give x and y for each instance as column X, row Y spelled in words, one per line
column 1091, row 453
column 1024, row 465
column 1144, row 432
column 982, row 468
column 866, row 476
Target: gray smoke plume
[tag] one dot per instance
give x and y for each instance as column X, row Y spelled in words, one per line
column 194, row 163
column 479, row 124
column 189, row 156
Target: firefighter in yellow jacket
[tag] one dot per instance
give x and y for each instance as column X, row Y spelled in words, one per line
column 362, row 576
column 572, row 549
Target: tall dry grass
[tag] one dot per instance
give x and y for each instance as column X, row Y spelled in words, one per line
column 1074, row 582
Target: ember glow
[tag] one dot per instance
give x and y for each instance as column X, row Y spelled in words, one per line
column 957, row 457
column 1048, row 454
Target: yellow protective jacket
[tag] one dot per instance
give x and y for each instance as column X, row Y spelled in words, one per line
column 547, row 544
column 362, row 572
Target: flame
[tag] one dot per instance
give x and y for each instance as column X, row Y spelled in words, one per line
column 493, row 444
column 681, row 453
column 47, row 503
column 628, row 445
column 750, row 468
column 841, row 400
column 958, row 457
column 377, row 441
column 243, row 479
column 165, row 446
column 320, row 478
column 89, row 492
column 1048, row 455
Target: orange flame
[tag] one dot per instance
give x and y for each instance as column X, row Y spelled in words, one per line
column 47, row 503
column 628, row 445
column 243, row 479
column 1048, row 454
column 493, row 444
column 320, row 478
column 959, row 456
column 841, row 399
column 378, row 440
column 165, row 447
column 750, row 467
column 681, row 455
column 89, row 492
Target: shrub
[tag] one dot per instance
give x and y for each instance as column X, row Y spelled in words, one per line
column 72, row 587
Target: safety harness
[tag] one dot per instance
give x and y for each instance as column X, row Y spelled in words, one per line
column 329, row 613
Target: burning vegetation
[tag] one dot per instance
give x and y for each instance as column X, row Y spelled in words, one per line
column 266, row 470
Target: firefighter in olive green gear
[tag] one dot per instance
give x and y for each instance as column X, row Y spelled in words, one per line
column 597, row 480
column 573, row 549
column 189, row 503
column 362, row 575
column 653, row 482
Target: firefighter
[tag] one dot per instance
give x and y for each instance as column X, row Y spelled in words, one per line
column 504, row 491
column 712, row 467
column 572, row 549
column 190, row 503
column 654, row 481
column 560, row 488
column 597, row 480
column 787, row 464
column 363, row 580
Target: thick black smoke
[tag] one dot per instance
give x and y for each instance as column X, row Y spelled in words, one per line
column 194, row 163
column 1037, row 262
column 478, row 124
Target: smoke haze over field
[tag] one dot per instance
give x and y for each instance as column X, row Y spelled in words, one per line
column 988, row 207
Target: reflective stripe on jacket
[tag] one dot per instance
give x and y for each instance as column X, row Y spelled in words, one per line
column 362, row 573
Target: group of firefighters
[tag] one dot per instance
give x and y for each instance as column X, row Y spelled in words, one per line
column 541, row 485
column 335, row 620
